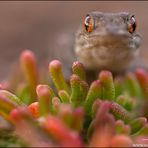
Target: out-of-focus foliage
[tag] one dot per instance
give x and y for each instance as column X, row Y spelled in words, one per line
column 109, row 112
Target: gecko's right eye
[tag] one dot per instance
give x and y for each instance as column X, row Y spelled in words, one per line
column 132, row 24
column 88, row 24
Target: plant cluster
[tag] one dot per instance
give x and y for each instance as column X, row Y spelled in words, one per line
column 108, row 112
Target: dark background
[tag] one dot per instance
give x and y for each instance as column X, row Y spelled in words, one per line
column 35, row 25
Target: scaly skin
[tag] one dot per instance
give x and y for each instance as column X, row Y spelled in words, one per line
column 110, row 45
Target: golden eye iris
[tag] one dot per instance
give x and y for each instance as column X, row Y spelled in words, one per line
column 132, row 24
column 88, row 24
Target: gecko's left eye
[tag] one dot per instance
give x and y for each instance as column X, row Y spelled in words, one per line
column 88, row 24
column 132, row 24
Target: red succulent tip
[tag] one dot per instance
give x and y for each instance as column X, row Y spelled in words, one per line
column 74, row 78
column 15, row 115
column 27, row 55
column 55, row 64
column 105, row 75
column 42, row 90
column 34, row 108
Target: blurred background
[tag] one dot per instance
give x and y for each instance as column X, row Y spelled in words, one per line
column 37, row 25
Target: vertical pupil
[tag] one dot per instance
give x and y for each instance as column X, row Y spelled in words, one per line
column 133, row 23
column 87, row 22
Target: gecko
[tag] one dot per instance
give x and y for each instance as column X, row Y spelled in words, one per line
column 104, row 41
column 108, row 41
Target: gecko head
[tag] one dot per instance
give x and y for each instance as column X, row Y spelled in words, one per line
column 105, row 39
column 111, row 28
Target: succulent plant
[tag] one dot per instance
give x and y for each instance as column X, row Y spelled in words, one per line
column 110, row 112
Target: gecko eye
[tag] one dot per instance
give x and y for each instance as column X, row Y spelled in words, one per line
column 132, row 24
column 88, row 24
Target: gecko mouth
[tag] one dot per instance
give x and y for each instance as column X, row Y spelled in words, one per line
column 121, row 39
column 109, row 40
column 109, row 37
column 119, row 34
